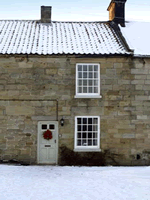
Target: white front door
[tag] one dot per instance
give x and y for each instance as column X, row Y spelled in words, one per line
column 47, row 149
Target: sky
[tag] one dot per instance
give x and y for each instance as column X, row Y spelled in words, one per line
column 68, row 10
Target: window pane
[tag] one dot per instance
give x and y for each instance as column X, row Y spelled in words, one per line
column 90, row 75
column 90, row 128
column 51, row 126
column 79, row 74
column 84, row 74
column 94, row 142
column 95, row 89
column 96, row 83
column 79, row 135
column 79, row 89
column 90, row 135
column 84, row 89
column 95, row 67
column 84, row 120
column 94, row 127
column 79, row 67
column 83, row 135
column 79, row 142
column 90, row 82
column 89, row 120
column 84, row 67
column 95, row 75
column 79, row 128
column 94, row 135
column 89, row 142
column 84, row 127
column 84, row 143
column 85, row 82
column 90, row 67
column 79, row 82
column 95, row 120
column 90, row 90
column 79, row 120
column 44, row 126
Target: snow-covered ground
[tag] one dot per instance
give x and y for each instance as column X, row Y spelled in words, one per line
column 74, row 183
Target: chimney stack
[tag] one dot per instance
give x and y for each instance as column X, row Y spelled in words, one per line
column 46, row 14
column 116, row 10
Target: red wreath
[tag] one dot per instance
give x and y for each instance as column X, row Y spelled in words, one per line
column 47, row 135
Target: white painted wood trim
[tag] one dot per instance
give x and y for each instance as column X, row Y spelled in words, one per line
column 87, row 148
column 39, row 124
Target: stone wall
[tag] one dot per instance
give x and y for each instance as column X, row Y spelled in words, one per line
column 124, row 107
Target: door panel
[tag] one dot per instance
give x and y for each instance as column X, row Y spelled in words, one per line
column 47, row 149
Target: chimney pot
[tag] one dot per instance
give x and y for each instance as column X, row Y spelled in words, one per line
column 46, row 14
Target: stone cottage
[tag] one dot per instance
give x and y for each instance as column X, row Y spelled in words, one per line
column 84, row 86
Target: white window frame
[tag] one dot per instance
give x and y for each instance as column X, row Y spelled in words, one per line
column 87, row 148
column 88, row 95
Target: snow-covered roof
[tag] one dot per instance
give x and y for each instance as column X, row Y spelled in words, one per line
column 33, row 37
column 137, row 35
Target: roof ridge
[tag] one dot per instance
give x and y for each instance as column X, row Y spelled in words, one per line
column 54, row 21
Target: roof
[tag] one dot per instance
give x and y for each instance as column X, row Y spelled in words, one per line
column 33, row 37
column 137, row 37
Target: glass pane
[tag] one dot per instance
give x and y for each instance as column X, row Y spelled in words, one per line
column 89, row 142
column 79, row 74
column 89, row 135
column 85, row 82
column 79, row 142
column 94, row 135
column 90, row 67
column 84, row 67
column 84, row 89
column 79, row 128
column 89, row 127
column 84, row 120
column 90, row 82
column 90, row 75
column 83, row 135
column 79, row 67
column 84, row 74
column 95, row 75
column 79, row 135
column 90, row 90
column 79, row 120
column 95, row 67
column 95, row 89
column 96, row 83
column 51, row 126
column 94, row 127
column 44, row 126
column 95, row 120
column 89, row 120
column 84, row 127
column 94, row 142
column 84, row 143
column 79, row 89
column 80, row 82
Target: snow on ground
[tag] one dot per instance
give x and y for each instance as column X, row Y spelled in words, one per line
column 74, row 183
column 137, row 36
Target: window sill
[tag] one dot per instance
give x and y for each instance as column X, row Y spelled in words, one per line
column 88, row 96
column 87, row 150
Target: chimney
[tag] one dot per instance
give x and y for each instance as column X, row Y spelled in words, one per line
column 46, row 14
column 116, row 10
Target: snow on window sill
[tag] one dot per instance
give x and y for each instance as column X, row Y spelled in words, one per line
column 87, row 150
column 88, row 96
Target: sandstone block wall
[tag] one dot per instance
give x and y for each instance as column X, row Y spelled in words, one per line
column 123, row 108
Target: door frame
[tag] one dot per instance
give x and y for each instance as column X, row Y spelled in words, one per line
column 38, row 143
